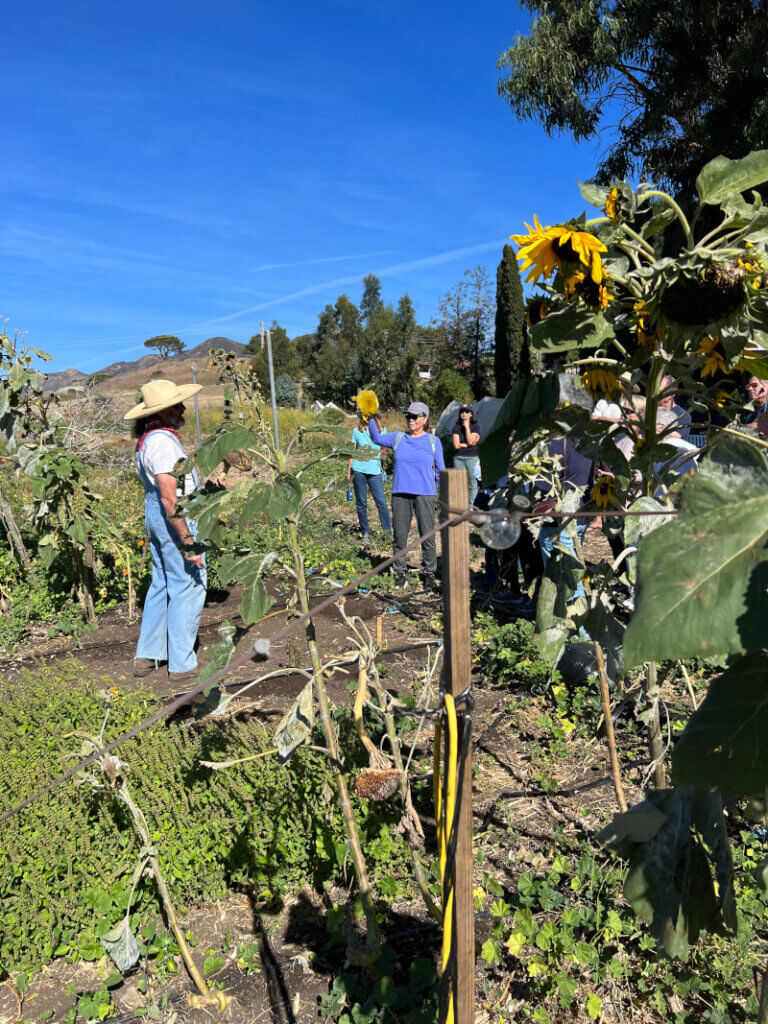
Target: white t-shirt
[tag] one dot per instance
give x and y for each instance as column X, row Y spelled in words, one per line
column 159, row 454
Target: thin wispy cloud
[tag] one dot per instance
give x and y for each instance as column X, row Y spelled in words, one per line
column 327, row 259
column 422, row 263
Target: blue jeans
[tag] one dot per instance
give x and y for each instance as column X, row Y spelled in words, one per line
column 176, row 595
column 550, row 535
column 468, row 463
column 361, row 483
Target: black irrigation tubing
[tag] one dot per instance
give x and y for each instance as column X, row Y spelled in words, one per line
column 259, row 651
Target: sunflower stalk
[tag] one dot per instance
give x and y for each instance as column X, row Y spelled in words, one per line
column 678, row 211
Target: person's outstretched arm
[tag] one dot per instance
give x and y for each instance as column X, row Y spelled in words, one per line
column 385, row 440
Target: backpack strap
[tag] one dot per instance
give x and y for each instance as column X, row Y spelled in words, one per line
column 400, row 436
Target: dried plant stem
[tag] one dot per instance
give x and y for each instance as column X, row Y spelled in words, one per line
column 405, row 796
column 655, row 743
column 208, row 998
column 372, row 946
column 609, row 733
column 689, row 686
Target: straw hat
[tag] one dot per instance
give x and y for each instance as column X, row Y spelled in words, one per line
column 161, row 394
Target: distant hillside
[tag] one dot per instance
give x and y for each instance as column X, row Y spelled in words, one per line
column 141, row 366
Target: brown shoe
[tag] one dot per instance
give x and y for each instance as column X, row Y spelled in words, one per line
column 143, row 667
column 177, row 678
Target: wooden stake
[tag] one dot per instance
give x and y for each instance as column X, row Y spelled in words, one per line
column 459, row 978
column 379, row 623
column 615, row 772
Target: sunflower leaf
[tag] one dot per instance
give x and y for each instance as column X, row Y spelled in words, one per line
column 722, row 178
column 703, row 579
column 528, row 406
column 570, row 328
column 213, row 451
column 593, row 194
column 722, row 745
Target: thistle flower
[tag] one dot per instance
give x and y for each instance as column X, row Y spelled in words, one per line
column 710, row 347
column 600, row 383
column 602, row 493
column 543, row 250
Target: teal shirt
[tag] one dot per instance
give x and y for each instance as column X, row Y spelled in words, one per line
column 362, row 439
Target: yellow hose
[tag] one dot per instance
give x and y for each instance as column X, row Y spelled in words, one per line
column 445, row 835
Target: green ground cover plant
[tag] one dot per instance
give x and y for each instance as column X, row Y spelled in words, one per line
column 66, row 863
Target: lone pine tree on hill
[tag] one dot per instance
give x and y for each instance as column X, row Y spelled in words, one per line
column 166, row 344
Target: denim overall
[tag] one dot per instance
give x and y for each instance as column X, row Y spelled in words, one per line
column 176, row 595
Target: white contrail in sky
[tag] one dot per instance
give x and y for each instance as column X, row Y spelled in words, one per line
column 327, row 259
column 397, row 268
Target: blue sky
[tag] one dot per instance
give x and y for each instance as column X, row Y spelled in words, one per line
column 193, row 168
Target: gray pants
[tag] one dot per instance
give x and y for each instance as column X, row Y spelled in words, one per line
column 403, row 508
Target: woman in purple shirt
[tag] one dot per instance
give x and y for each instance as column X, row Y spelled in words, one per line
column 418, row 461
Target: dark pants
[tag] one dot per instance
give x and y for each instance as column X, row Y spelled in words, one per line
column 361, row 483
column 501, row 567
column 404, row 506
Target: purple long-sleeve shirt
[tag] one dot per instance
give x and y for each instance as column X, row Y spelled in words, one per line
column 417, row 471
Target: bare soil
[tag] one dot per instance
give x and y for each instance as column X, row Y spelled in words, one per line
column 295, row 965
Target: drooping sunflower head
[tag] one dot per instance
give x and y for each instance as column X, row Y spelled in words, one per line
column 612, row 204
column 582, row 248
column 367, row 403
column 600, row 382
column 620, row 203
column 579, row 283
column 603, row 492
column 544, row 250
column 538, row 308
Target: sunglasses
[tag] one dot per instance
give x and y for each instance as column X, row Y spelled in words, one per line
column 414, row 415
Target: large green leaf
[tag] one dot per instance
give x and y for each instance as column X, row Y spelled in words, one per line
column 680, row 874
column 213, row 451
column 526, row 408
column 595, row 195
column 702, row 579
column 570, row 328
column 722, row 178
column 285, row 497
column 725, row 743
column 255, row 603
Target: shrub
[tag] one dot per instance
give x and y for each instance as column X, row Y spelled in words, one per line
column 451, row 386
column 286, row 392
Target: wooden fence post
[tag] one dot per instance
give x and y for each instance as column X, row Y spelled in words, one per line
column 459, row 977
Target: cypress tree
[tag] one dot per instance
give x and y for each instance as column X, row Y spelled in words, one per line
column 511, row 357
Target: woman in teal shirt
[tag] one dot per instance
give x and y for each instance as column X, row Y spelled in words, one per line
column 366, row 475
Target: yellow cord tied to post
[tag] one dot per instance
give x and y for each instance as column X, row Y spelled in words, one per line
column 367, row 403
column 444, row 819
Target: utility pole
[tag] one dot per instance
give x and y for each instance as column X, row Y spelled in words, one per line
column 262, row 335
column 272, row 387
column 197, row 407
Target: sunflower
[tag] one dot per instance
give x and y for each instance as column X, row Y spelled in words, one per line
column 538, row 308
column 600, row 383
column 710, row 347
column 367, row 403
column 543, row 250
column 593, row 294
column 612, row 204
column 602, row 493
column 645, row 335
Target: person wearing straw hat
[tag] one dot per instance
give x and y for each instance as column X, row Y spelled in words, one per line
column 176, row 595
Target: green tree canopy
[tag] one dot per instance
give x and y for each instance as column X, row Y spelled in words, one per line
column 166, row 344
column 285, row 357
column 371, row 300
column 511, row 356
column 684, row 81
